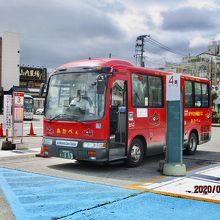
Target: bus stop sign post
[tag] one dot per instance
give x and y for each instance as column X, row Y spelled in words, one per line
column 18, row 116
column 7, row 145
column 174, row 131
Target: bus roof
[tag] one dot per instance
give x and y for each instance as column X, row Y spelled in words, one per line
column 108, row 62
column 28, row 96
column 114, row 63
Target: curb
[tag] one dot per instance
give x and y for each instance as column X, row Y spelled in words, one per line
column 21, row 153
column 215, row 125
column 17, row 157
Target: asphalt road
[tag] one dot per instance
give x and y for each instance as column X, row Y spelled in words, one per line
column 116, row 174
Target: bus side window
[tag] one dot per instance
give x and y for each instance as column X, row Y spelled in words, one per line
column 188, row 94
column 198, row 95
column 139, row 90
column 117, row 96
column 205, row 95
column 155, row 91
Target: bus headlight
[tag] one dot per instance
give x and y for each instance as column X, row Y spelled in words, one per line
column 47, row 141
column 94, row 145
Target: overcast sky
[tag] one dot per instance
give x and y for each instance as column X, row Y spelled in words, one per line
column 53, row 32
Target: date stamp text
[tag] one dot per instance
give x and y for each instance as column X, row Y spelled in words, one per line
column 205, row 189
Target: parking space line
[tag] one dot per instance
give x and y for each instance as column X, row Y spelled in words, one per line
column 182, row 196
column 138, row 187
column 170, row 180
column 137, row 184
column 197, row 167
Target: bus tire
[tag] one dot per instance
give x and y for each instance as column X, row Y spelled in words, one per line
column 136, row 153
column 191, row 147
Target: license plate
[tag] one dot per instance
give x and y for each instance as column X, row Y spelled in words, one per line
column 66, row 143
column 67, row 154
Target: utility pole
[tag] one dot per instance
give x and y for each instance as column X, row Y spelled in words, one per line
column 139, row 47
column 142, row 50
column 211, row 71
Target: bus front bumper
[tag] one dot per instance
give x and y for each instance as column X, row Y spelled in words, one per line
column 75, row 149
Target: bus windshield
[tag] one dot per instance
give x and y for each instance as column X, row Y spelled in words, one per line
column 73, row 96
column 28, row 104
column 28, row 107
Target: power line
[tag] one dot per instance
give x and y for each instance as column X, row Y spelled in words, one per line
column 162, row 46
column 148, row 39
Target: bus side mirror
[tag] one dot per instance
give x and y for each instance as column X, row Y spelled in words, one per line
column 41, row 90
column 101, row 84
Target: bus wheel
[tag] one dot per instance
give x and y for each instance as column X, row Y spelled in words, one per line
column 136, row 153
column 191, row 147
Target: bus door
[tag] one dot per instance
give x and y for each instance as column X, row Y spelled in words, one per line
column 118, row 120
column 148, row 98
column 156, row 122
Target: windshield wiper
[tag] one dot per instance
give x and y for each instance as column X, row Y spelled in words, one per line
column 59, row 116
column 66, row 116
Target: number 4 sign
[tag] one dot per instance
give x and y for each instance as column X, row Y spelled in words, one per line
column 173, row 87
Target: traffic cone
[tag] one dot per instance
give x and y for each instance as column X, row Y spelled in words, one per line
column 1, row 131
column 7, row 145
column 43, row 152
column 31, row 130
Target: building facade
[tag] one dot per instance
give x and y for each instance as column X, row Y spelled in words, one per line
column 30, row 81
column 206, row 64
column 9, row 63
column 13, row 77
column 9, row 60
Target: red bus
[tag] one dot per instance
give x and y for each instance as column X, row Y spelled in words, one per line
column 105, row 110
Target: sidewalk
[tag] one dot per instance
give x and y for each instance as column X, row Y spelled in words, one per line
column 29, row 147
column 201, row 184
